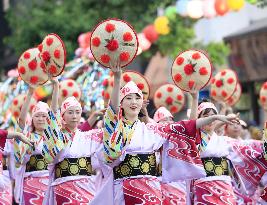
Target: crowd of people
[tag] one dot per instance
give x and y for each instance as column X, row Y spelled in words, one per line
column 121, row 155
column 130, row 158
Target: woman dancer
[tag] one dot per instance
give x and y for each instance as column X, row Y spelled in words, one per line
column 6, row 191
column 32, row 174
column 74, row 171
column 130, row 146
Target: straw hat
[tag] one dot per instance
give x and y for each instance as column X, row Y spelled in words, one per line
column 191, row 70
column 223, row 85
column 170, row 97
column 68, row 88
column 17, row 103
column 127, row 76
column 31, row 69
column 53, row 54
column 263, row 96
column 112, row 40
column 236, row 96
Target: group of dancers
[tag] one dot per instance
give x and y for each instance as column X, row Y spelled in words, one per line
column 132, row 158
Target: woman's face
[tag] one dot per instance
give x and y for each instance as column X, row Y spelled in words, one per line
column 72, row 117
column 234, row 130
column 132, row 105
column 39, row 121
column 210, row 127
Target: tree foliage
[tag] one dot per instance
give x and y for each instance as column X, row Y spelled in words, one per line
column 262, row 3
column 31, row 20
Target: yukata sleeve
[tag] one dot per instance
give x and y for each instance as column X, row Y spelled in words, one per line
column 113, row 136
column 180, row 156
column 248, row 161
column 54, row 139
column 3, row 136
column 84, row 127
column 21, row 149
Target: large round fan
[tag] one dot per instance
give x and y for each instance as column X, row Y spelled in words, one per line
column 31, row 69
column 53, row 54
column 236, row 96
column 68, row 88
column 170, row 97
column 223, row 85
column 18, row 102
column 114, row 40
column 127, row 76
column 191, row 70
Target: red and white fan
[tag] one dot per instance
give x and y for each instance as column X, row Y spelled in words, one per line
column 170, row 97
column 191, row 70
column 68, row 88
column 114, row 40
column 223, row 85
column 17, row 103
column 53, row 54
column 236, row 96
column 127, row 76
column 31, row 69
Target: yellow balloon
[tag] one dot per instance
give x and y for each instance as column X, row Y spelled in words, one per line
column 235, row 4
column 162, row 25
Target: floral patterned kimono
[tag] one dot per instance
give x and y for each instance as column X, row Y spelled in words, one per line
column 233, row 179
column 5, row 182
column 129, row 149
column 216, row 187
column 74, row 174
column 8, row 162
column 248, row 160
column 32, row 174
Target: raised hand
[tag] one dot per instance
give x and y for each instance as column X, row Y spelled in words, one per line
column 116, row 67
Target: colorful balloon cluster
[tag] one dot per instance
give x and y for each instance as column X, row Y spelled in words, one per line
column 194, row 9
column 208, row 8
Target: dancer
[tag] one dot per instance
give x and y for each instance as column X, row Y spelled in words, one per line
column 74, row 171
column 130, row 146
column 6, row 192
column 32, row 174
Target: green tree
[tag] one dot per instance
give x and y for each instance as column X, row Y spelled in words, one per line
column 31, row 20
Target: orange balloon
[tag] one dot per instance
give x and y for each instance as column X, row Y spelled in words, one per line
column 221, row 7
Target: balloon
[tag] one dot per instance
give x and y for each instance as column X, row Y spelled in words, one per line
column 150, row 33
column 181, row 7
column 235, row 4
column 171, row 12
column 221, row 7
column 195, row 9
column 162, row 25
column 144, row 44
column 209, row 9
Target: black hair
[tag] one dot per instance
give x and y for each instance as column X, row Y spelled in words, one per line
column 207, row 110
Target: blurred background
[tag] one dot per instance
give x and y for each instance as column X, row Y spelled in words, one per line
column 232, row 32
